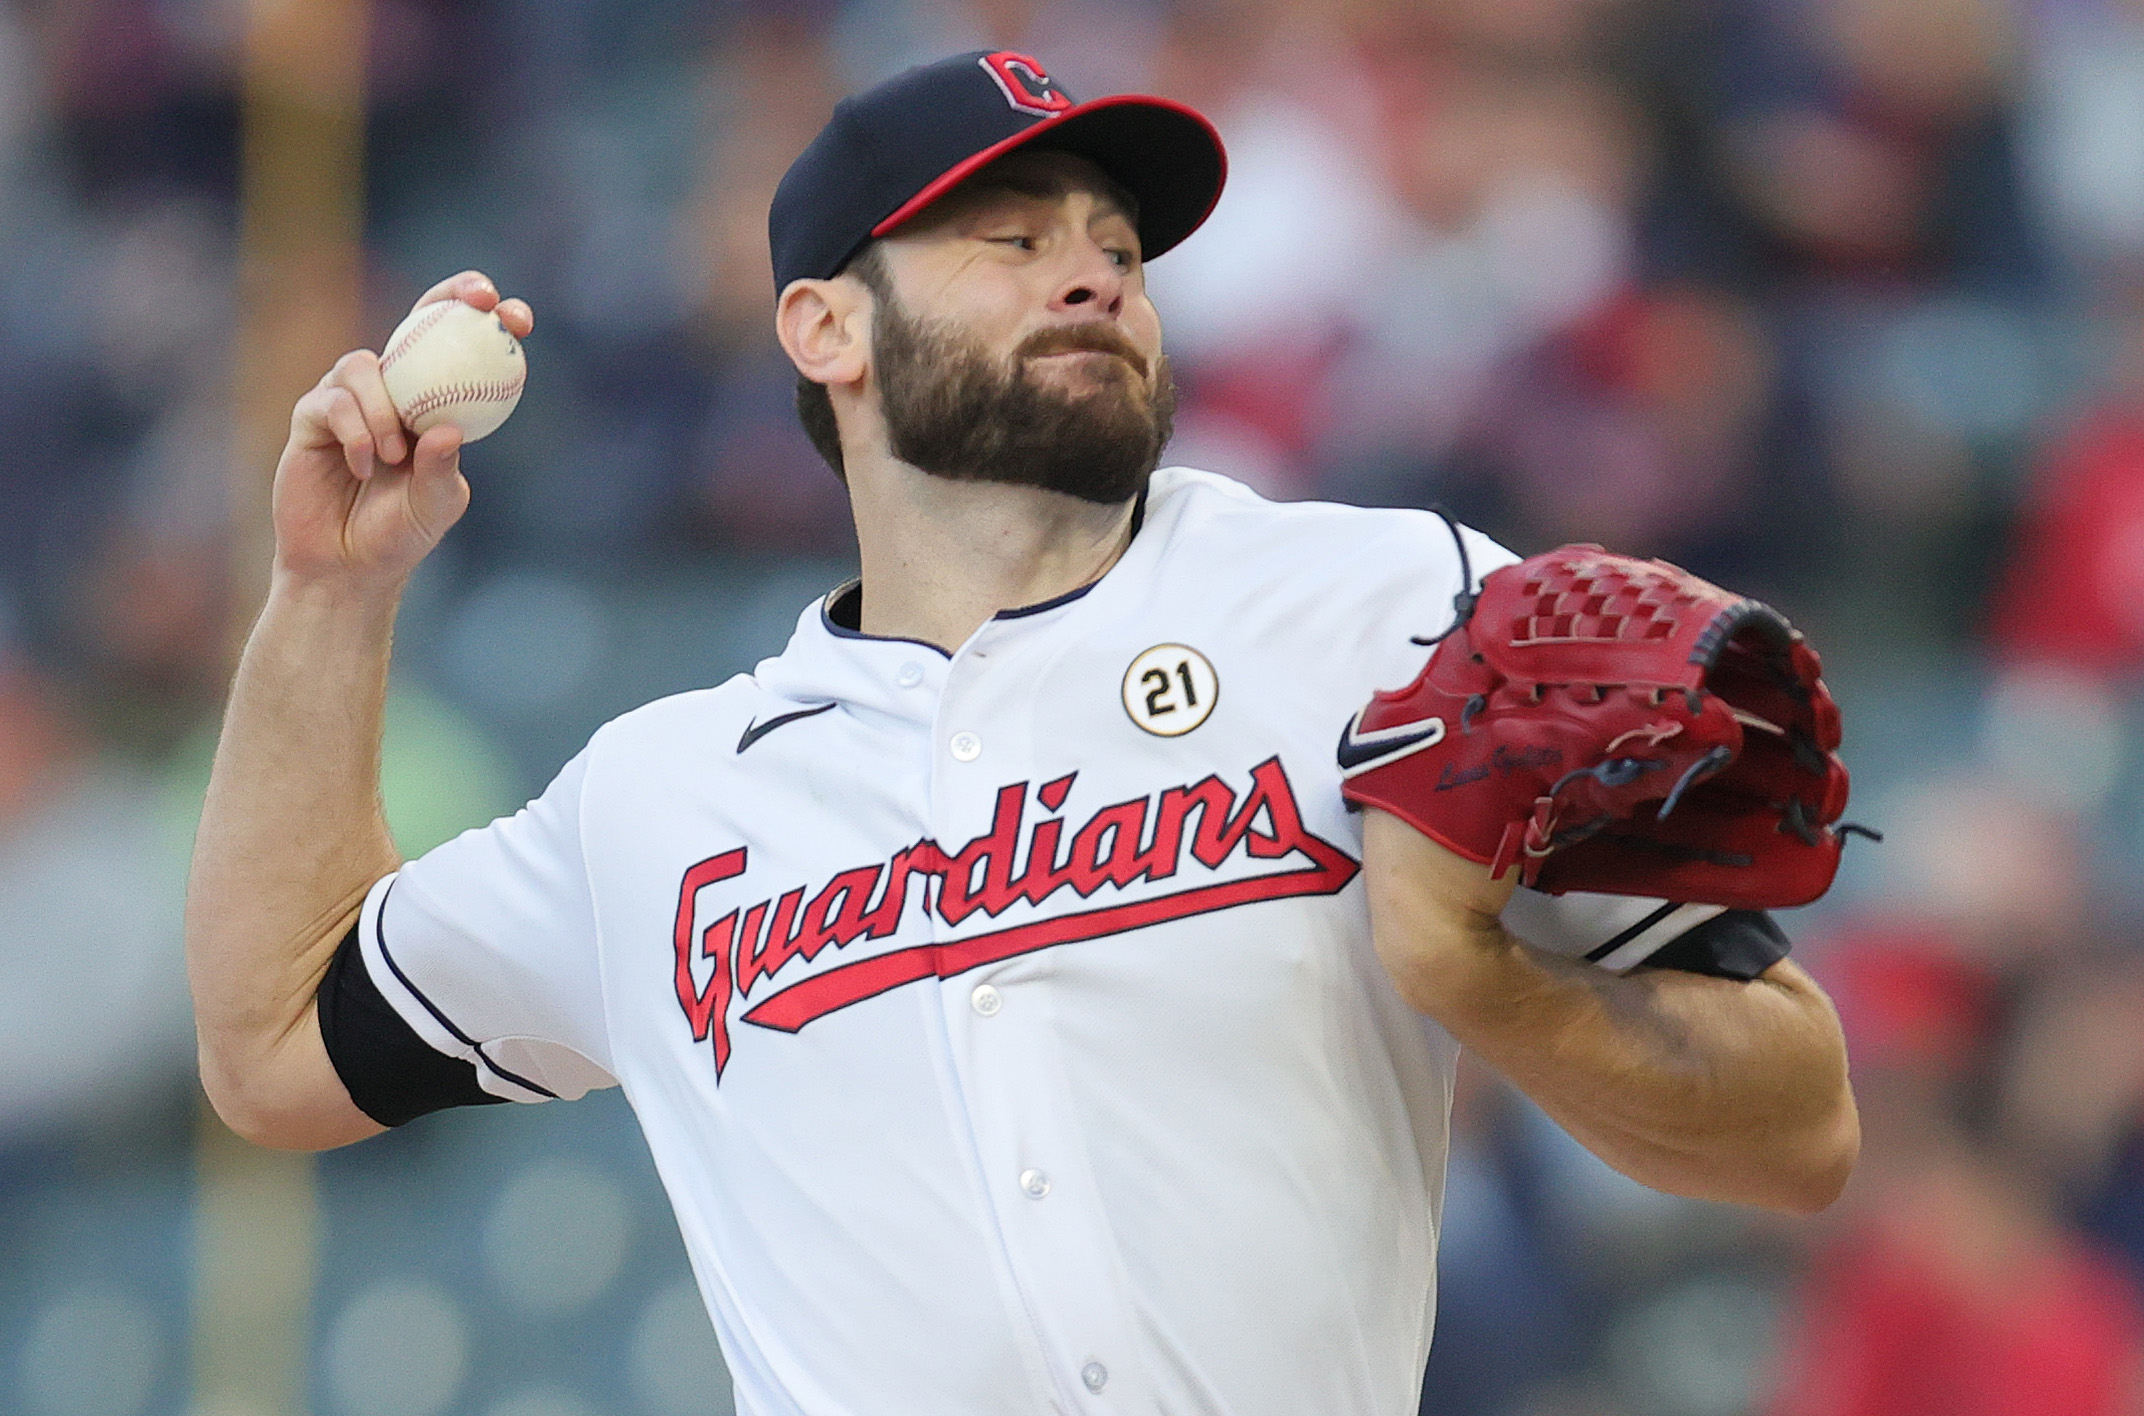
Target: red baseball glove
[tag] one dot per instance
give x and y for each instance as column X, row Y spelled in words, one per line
column 1617, row 725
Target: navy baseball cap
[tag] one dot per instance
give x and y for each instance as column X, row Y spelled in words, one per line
column 888, row 153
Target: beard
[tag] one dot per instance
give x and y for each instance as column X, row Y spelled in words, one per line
column 954, row 411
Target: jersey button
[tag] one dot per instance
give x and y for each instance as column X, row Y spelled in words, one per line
column 1095, row 1375
column 909, row 676
column 966, row 747
column 986, row 1000
column 1034, row 1184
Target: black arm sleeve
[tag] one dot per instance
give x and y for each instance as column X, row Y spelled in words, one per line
column 1739, row 944
column 391, row 1073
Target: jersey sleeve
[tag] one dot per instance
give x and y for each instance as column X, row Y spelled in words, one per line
column 1405, row 595
column 486, row 949
column 1622, row 932
column 393, row 1075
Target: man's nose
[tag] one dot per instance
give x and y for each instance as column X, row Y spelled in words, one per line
column 1094, row 279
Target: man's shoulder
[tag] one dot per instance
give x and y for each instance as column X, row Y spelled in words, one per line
column 678, row 721
column 1194, row 492
column 1208, row 513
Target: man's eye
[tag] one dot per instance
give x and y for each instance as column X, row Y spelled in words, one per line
column 1125, row 259
column 1025, row 243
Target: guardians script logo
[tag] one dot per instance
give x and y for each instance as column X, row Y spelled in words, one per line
column 723, row 965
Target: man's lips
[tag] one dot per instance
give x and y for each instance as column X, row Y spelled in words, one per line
column 1085, row 368
column 1057, row 343
column 1084, row 353
column 1131, row 363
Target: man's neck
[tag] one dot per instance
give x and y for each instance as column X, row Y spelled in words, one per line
column 940, row 557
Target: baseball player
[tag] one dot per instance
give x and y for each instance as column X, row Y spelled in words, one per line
column 1021, row 1016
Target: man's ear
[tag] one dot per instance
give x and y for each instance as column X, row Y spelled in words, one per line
column 825, row 329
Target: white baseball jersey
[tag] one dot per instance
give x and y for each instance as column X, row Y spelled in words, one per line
column 1005, row 1024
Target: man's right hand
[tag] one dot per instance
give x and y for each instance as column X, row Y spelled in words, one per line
column 357, row 496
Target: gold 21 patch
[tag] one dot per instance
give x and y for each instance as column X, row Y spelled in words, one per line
column 1170, row 689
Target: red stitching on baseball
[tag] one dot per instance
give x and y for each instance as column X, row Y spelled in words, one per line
column 439, row 311
column 441, row 397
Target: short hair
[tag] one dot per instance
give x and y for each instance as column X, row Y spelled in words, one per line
column 815, row 407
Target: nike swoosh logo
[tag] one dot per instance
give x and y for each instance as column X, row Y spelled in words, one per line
column 753, row 732
column 1360, row 751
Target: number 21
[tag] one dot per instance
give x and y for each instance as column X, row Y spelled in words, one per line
column 1158, row 693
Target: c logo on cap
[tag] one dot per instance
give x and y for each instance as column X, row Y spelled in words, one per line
column 1023, row 83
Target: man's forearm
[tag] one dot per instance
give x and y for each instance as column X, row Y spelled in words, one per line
column 1701, row 1086
column 292, row 833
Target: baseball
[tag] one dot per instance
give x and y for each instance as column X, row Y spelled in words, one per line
column 451, row 363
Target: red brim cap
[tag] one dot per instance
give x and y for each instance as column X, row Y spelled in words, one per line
column 889, row 153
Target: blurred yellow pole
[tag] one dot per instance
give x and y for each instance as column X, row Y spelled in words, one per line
column 300, row 274
column 300, row 259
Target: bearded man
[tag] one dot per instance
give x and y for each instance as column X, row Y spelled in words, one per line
column 1018, row 1016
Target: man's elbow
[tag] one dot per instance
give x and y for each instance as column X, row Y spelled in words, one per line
column 254, row 1117
column 1798, row 1170
column 1815, row 1175
column 260, row 1111
column 1813, row 1137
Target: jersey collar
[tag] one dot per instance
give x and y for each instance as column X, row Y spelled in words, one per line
column 841, row 611
column 829, row 659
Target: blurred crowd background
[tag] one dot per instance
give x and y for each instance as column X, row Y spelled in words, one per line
column 1840, row 302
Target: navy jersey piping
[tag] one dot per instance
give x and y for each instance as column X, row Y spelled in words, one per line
column 841, row 631
column 1596, row 955
column 379, row 935
column 853, row 587
column 1056, row 601
column 1043, row 606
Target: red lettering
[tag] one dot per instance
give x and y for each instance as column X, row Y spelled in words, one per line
column 1271, row 794
column 990, row 856
column 885, row 916
column 762, row 955
column 719, row 942
column 1212, row 799
column 1106, row 850
column 1329, row 872
column 836, row 914
column 705, row 1009
column 700, row 1006
column 1043, row 876
column 869, row 902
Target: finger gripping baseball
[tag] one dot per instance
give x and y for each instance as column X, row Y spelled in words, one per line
column 1618, row 725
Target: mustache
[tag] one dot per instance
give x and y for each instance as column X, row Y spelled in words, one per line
column 1092, row 338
